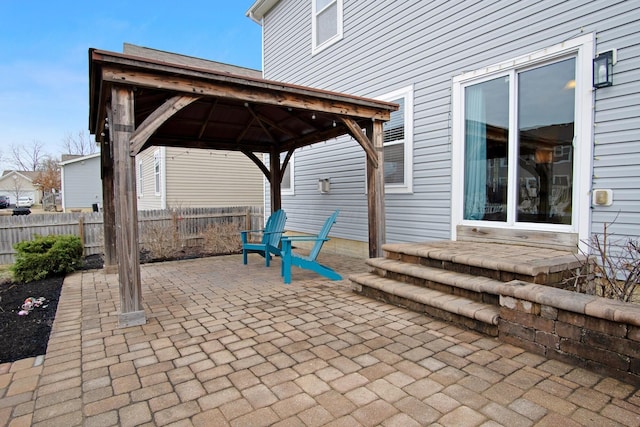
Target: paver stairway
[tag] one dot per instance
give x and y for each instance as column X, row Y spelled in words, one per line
column 460, row 281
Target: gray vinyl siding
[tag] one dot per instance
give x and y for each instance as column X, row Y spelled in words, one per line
column 82, row 186
column 388, row 45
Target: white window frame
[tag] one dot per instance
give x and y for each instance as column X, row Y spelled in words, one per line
column 316, row 48
column 583, row 49
column 157, row 172
column 290, row 191
column 407, row 94
column 140, row 179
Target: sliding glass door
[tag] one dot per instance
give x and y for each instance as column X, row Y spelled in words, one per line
column 518, row 145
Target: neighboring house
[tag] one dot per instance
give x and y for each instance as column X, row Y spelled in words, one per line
column 81, row 185
column 176, row 177
column 170, row 177
column 16, row 184
column 500, row 135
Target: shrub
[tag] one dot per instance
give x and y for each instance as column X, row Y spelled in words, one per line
column 222, row 239
column 46, row 256
column 611, row 268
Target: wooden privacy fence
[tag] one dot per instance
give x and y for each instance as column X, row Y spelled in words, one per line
column 186, row 226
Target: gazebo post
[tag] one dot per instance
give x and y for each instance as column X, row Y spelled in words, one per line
column 108, row 207
column 375, row 191
column 126, row 219
column 276, row 180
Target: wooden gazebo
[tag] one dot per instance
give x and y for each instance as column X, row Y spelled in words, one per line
column 138, row 102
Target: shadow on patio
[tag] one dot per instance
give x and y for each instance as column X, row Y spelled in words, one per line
column 228, row 344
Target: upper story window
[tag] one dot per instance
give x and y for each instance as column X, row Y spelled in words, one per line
column 326, row 23
column 398, row 143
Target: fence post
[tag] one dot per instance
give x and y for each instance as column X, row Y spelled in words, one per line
column 176, row 229
column 81, row 232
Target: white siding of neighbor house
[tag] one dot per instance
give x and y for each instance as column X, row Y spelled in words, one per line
column 201, row 178
column 386, row 47
column 81, row 183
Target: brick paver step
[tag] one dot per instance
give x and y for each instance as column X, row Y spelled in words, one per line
column 508, row 262
column 485, row 313
column 469, row 282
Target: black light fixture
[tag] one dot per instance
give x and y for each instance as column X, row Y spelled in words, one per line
column 603, row 69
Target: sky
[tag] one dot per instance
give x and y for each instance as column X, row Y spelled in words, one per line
column 44, row 77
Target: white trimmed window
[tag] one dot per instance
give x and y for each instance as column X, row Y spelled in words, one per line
column 287, row 176
column 157, row 172
column 326, row 25
column 398, row 143
column 140, row 179
column 522, row 141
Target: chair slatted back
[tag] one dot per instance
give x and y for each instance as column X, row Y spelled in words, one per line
column 274, row 228
column 323, row 235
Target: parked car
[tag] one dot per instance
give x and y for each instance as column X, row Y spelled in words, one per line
column 4, row 202
column 24, row 202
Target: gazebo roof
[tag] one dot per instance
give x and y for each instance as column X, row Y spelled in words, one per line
column 188, row 106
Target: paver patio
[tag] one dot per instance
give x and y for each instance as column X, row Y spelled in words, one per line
column 228, row 344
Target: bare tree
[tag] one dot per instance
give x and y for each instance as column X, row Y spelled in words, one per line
column 79, row 144
column 27, row 157
column 48, row 178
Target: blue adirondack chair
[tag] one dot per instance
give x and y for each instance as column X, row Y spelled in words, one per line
column 308, row 262
column 270, row 243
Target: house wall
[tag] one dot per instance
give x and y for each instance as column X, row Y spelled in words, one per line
column 147, row 198
column 18, row 187
column 81, row 184
column 212, row 178
column 386, row 48
column 200, row 178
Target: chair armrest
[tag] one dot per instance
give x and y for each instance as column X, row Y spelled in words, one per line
column 303, row 238
column 251, row 231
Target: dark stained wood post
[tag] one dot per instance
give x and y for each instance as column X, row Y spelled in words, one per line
column 276, row 180
column 108, row 207
column 121, row 127
column 375, row 191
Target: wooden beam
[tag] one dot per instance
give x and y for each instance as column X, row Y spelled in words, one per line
column 108, row 206
column 258, row 163
column 363, row 140
column 276, row 180
column 375, row 191
column 204, row 125
column 157, row 119
column 121, row 128
column 322, row 102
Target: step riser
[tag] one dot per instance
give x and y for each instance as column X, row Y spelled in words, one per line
column 551, row 279
column 491, row 330
column 475, row 296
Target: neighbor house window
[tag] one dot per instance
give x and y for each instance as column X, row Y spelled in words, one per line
column 326, row 23
column 140, row 179
column 157, row 172
column 398, row 142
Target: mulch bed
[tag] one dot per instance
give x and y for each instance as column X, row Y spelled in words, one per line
column 23, row 336
column 27, row 335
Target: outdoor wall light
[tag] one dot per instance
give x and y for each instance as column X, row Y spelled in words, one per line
column 324, row 185
column 603, row 69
